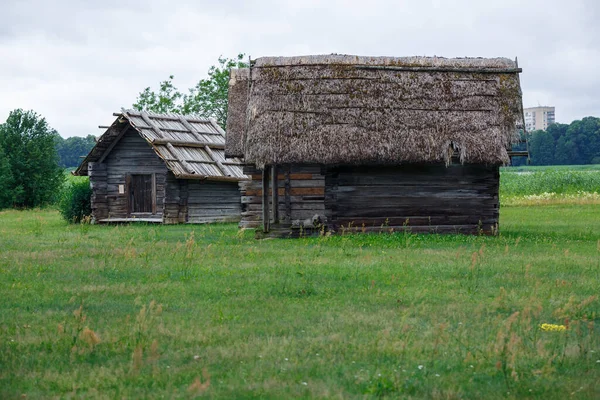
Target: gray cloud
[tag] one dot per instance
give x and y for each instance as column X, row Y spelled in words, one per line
column 76, row 62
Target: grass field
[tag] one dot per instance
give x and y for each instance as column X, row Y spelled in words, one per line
column 564, row 184
column 183, row 311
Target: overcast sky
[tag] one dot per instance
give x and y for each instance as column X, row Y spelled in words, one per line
column 76, row 62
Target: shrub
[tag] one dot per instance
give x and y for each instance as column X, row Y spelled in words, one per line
column 75, row 204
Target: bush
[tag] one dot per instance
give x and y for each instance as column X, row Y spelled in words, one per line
column 75, row 204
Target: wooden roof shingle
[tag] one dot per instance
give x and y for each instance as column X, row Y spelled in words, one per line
column 190, row 146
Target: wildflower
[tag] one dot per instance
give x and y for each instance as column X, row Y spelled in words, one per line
column 553, row 327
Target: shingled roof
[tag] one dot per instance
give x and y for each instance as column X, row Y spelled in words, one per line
column 342, row 109
column 191, row 147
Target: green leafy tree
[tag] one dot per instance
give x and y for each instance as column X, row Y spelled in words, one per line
column 29, row 147
column 167, row 99
column 542, row 148
column 208, row 98
column 575, row 143
column 6, row 180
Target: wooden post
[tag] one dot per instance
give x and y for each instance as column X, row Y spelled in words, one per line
column 274, row 194
column 265, row 198
column 288, row 200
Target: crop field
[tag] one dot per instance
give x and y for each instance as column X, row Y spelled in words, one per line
column 146, row 311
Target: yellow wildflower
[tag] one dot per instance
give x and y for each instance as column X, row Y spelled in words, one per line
column 553, row 327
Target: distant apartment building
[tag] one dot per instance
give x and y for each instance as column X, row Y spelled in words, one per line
column 537, row 118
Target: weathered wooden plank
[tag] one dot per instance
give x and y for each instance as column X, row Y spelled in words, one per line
column 265, row 199
column 275, row 194
column 213, row 219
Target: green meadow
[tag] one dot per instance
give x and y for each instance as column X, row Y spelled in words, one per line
column 146, row 311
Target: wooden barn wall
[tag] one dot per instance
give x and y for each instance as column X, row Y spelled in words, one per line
column 209, row 201
column 175, row 201
column 424, row 198
column 98, row 183
column 131, row 155
column 301, row 194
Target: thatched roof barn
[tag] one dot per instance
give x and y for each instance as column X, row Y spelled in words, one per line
column 162, row 168
column 416, row 140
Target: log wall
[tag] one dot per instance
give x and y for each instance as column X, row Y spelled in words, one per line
column 175, row 201
column 422, row 198
column 98, row 183
column 301, row 194
column 209, row 201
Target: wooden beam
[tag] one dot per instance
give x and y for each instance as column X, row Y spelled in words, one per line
column 210, row 178
column 216, row 160
column 113, row 144
column 153, row 193
column 518, row 154
column 265, row 199
column 159, row 116
column 148, row 122
column 274, row 194
column 188, row 144
column 128, row 194
column 287, row 195
column 183, row 162
column 443, row 69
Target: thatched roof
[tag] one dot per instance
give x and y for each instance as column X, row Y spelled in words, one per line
column 338, row 109
column 191, row 147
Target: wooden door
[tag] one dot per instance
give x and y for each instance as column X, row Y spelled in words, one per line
column 141, row 194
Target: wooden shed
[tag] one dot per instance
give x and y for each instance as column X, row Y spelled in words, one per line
column 373, row 143
column 162, row 168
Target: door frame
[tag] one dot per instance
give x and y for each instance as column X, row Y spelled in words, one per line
column 128, row 188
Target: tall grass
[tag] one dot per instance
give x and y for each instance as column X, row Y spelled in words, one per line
column 560, row 185
column 92, row 311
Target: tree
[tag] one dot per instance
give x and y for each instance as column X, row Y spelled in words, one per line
column 542, row 148
column 576, row 143
column 168, row 98
column 208, row 98
column 70, row 150
column 5, row 181
column 28, row 144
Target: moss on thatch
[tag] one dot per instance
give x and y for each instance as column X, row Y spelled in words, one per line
column 356, row 110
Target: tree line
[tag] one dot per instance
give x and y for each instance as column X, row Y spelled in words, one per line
column 71, row 150
column 564, row 144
